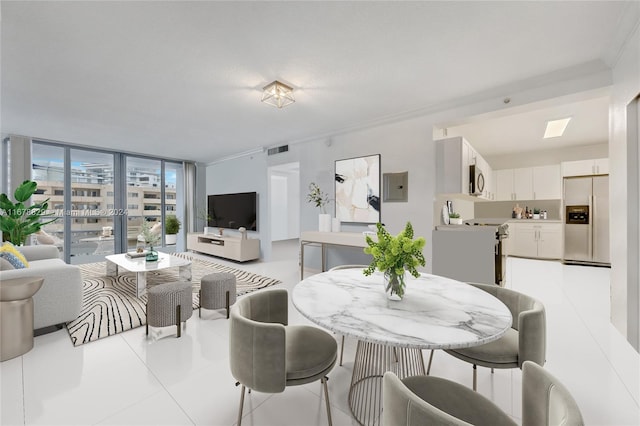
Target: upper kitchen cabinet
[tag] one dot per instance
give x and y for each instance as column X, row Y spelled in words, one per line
column 514, row 184
column 453, row 158
column 528, row 183
column 547, row 183
column 599, row 166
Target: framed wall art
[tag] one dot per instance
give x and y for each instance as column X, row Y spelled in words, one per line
column 358, row 189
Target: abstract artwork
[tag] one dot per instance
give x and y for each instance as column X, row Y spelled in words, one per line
column 358, row 189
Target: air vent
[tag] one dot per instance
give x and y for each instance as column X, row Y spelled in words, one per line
column 278, row 150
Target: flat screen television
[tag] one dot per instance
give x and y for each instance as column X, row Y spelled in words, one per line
column 233, row 211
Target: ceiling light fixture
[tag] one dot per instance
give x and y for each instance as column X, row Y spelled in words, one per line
column 556, row 128
column 278, row 94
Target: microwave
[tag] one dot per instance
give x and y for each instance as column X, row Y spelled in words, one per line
column 476, row 180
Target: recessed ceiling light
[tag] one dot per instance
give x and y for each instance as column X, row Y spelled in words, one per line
column 555, row 128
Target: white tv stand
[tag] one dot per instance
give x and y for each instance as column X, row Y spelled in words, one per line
column 228, row 247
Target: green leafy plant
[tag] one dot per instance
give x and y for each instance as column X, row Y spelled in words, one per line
column 17, row 220
column 536, row 211
column 393, row 255
column 454, row 215
column 149, row 236
column 317, row 197
column 204, row 216
column 171, row 225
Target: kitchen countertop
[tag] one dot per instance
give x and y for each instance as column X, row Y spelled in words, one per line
column 501, row 220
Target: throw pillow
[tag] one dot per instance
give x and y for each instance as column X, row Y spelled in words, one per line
column 5, row 265
column 13, row 260
column 44, row 238
column 9, row 249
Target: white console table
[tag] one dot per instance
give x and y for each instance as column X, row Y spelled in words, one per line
column 324, row 239
column 228, row 247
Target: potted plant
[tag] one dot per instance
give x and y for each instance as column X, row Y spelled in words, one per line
column 152, row 239
column 206, row 218
column 171, row 229
column 536, row 213
column 17, row 220
column 320, row 199
column 393, row 256
column 454, row 219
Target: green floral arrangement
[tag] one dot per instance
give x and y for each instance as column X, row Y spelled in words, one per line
column 149, row 236
column 317, row 197
column 395, row 255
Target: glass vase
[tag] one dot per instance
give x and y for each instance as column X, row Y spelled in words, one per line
column 152, row 255
column 394, row 284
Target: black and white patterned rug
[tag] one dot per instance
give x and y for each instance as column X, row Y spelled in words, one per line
column 110, row 305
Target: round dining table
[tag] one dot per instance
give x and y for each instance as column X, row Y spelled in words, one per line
column 435, row 313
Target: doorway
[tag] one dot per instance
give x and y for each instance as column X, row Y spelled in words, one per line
column 284, row 201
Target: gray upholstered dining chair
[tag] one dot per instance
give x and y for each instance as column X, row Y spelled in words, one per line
column 267, row 355
column 335, row 268
column 420, row 400
column 525, row 341
column 428, row 400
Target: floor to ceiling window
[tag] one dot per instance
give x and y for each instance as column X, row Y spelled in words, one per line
column 47, row 169
column 92, row 205
column 100, row 211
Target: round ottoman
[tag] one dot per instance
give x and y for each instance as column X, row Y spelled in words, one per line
column 217, row 291
column 169, row 304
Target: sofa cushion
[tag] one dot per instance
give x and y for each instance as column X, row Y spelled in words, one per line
column 46, row 263
column 5, row 265
column 9, row 252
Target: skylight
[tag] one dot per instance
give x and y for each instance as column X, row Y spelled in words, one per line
column 555, row 128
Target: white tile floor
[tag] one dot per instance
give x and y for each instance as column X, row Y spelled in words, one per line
column 128, row 379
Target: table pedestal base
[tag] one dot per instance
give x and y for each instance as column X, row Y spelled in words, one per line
column 372, row 361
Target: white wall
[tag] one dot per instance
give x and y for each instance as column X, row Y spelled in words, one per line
column 278, row 207
column 293, row 206
column 624, row 256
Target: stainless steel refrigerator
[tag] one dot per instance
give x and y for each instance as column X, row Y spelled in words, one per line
column 586, row 229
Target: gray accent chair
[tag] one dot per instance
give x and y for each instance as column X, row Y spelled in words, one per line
column 525, row 341
column 268, row 355
column 59, row 300
column 544, row 397
column 427, row 400
column 336, row 268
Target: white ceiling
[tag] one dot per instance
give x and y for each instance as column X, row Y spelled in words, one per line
column 523, row 131
column 183, row 79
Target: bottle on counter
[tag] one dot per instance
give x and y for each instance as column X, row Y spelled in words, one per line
column 526, row 212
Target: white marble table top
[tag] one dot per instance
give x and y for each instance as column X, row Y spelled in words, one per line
column 436, row 312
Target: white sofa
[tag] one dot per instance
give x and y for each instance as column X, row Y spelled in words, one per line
column 59, row 300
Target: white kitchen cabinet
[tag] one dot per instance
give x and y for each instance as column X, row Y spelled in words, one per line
column 453, row 158
column 599, row 166
column 504, row 184
column 452, row 166
column 523, row 183
column 547, row 183
column 536, row 240
column 514, row 184
column 528, row 183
